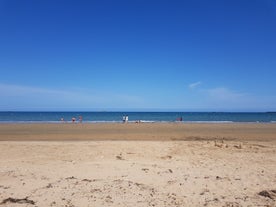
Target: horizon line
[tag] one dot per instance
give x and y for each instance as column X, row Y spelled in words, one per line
column 141, row 111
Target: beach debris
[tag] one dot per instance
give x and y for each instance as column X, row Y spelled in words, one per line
column 268, row 194
column 204, row 191
column 170, row 171
column 232, row 204
column 108, row 199
column 168, row 157
column 70, row 178
column 53, row 203
column 17, row 200
column 87, row 180
column 119, row 157
column 218, row 144
column 223, row 144
column 170, row 182
column 145, row 169
column 238, row 146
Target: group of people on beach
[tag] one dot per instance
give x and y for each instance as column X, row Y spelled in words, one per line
column 73, row 119
column 125, row 119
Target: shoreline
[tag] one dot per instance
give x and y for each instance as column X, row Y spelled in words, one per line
column 138, row 122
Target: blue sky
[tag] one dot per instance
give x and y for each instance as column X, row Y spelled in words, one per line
column 138, row 55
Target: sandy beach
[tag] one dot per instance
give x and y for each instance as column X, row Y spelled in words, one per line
column 147, row 164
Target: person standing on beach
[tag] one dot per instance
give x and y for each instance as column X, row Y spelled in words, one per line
column 126, row 118
column 179, row 119
column 73, row 119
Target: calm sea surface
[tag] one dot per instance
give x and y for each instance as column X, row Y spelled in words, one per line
column 29, row 117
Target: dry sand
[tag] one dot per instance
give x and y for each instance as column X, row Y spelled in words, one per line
column 164, row 165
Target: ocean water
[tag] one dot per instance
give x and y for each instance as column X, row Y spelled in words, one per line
column 95, row 117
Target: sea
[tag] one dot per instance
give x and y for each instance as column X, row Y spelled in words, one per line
column 101, row 117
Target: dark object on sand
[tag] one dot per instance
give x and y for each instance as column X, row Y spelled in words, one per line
column 17, row 200
column 119, row 157
column 269, row 194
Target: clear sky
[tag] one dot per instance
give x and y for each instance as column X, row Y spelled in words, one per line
column 194, row 55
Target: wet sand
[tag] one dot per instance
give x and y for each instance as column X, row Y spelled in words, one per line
column 171, row 164
column 132, row 131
